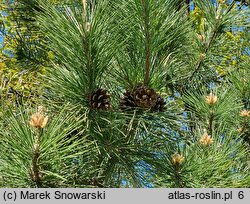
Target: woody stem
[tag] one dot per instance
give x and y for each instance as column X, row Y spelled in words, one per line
column 178, row 181
column 36, row 177
column 210, row 122
column 211, row 40
column 84, row 12
column 147, row 41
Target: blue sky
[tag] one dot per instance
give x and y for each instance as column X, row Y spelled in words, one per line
column 1, row 40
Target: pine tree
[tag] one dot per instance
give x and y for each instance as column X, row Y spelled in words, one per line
column 132, row 100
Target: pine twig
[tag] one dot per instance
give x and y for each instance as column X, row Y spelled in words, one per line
column 188, row 7
column 214, row 34
column 147, row 43
column 178, row 180
column 210, row 123
column 35, row 170
column 202, row 57
column 86, row 43
column 84, row 12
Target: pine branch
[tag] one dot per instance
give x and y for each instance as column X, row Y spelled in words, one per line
column 188, row 6
column 203, row 55
column 83, row 48
column 211, row 41
column 147, row 41
column 84, row 12
column 35, row 172
column 178, row 179
column 210, row 122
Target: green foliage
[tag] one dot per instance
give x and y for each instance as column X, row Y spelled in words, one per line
column 19, row 87
column 240, row 80
column 21, row 56
column 219, row 41
column 56, row 150
column 214, row 116
column 23, row 38
column 202, row 166
column 199, row 140
column 153, row 38
column 83, row 49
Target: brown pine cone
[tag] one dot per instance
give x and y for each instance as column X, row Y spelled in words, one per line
column 160, row 104
column 100, row 100
column 127, row 101
column 142, row 97
column 145, row 97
